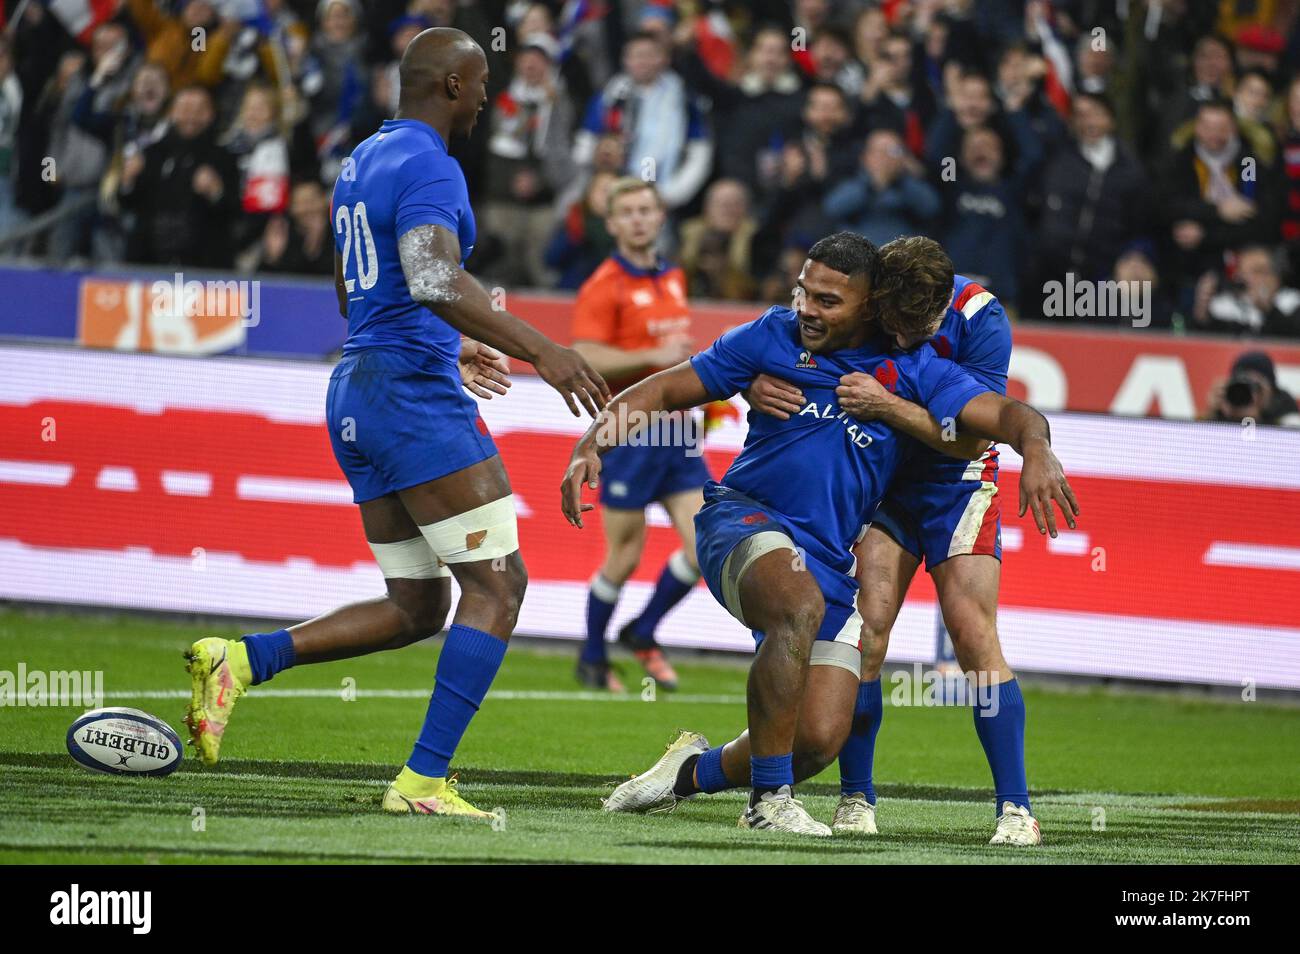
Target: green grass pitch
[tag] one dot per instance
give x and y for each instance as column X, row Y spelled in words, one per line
column 1114, row 776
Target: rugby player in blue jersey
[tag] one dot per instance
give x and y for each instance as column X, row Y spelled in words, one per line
column 939, row 509
column 776, row 534
column 434, row 497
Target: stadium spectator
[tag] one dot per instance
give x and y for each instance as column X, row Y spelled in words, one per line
column 191, row 46
column 716, row 250
column 1135, row 268
column 11, row 105
column 528, row 162
column 1215, row 195
column 79, row 159
column 815, row 153
column 663, row 127
column 884, row 200
column 1094, row 197
column 302, row 243
column 1253, row 97
column 262, row 154
column 753, row 114
column 973, row 104
column 1252, row 300
column 832, row 61
column 184, row 191
column 778, row 283
column 1259, row 46
column 892, row 97
column 581, row 241
column 1210, row 81
column 1251, row 393
column 341, row 88
column 870, row 30
column 983, row 227
column 125, row 130
column 384, row 85
column 1290, row 152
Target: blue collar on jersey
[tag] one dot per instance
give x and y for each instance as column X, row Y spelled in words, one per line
column 659, row 268
column 388, row 125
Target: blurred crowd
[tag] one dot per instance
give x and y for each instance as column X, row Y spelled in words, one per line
column 1041, row 141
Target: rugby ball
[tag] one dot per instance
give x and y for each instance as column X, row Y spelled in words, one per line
column 125, row 741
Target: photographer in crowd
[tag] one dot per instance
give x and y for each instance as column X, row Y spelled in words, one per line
column 1252, row 393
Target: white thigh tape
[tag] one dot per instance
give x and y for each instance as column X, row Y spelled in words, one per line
column 484, row 533
column 844, row 655
column 408, row 560
column 741, row 558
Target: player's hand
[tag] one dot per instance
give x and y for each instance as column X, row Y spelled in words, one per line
column 568, row 372
column 863, row 396
column 1042, row 481
column 770, row 395
column 584, row 468
column 673, row 352
column 207, row 183
column 484, row 371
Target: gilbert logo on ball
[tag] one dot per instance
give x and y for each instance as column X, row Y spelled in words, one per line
column 123, row 741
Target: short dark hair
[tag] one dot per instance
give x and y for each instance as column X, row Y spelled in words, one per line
column 914, row 283
column 1218, row 104
column 1098, row 99
column 829, row 87
column 849, row 253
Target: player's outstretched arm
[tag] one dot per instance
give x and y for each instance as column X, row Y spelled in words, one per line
column 864, row 397
column 430, row 257
column 1042, row 480
column 628, row 413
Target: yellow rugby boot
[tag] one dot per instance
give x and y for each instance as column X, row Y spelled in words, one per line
column 414, row 794
column 219, row 675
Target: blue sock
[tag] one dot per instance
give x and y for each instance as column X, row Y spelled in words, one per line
column 1002, row 733
column 269, row 653
column 859, row 751
column 709, row 775
column 601, row 600
column 675, row 582
column 767, row 773
column 469, row 662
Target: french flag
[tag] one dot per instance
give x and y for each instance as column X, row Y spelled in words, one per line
column 80, row 17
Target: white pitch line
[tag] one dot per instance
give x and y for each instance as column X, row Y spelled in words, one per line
column 506, row 695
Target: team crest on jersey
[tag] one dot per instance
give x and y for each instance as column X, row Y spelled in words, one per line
column 887, row 375
column 806, row 360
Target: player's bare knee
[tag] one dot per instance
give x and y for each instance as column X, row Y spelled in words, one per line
column 803, row 616
column 975, row 641
column 428, row 617
column 794, row 626
column 511, row 582
column 874, row 646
